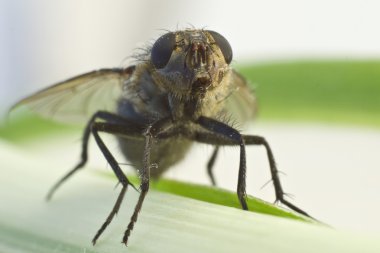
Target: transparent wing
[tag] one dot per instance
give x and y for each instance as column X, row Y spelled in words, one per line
column 76, row 99
column 241, row 104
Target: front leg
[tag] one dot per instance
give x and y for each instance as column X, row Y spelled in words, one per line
column 159, row 127
column 100, row 115
column 144, row 186
column 210, row 165
column 133, row 132
column 259, row 140
column 119, row 128
column 224, row 130
column 218, row 136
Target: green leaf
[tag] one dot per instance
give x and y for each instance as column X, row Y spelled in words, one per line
column 216, row 196
column 167, row 223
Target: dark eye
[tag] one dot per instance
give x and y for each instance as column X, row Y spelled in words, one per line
column 162, row 50
column 224, row 46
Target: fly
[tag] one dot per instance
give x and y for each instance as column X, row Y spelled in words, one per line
column 181, row 91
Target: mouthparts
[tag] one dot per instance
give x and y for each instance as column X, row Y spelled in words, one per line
column 201, row 82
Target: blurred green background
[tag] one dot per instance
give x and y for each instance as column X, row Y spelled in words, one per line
column 330, row 91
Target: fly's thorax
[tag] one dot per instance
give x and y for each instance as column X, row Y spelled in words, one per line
column 143, row 98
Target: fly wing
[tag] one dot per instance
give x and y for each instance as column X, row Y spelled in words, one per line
column 76, row 99
column 241, row 104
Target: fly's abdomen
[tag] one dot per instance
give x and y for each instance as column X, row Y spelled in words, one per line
column 165, row 153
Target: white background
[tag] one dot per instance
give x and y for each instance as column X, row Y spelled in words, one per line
column 42, row 41
column 331, row 170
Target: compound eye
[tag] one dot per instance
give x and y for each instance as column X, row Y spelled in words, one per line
column 224, row 46
column 162, row 50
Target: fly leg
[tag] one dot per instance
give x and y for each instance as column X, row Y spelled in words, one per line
column 258, row 140
column 222, row 134
column 210, row 165
column 128, row 131
column 100, row 115
column 224, row 131
column 144, row 186
column 159, row 127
